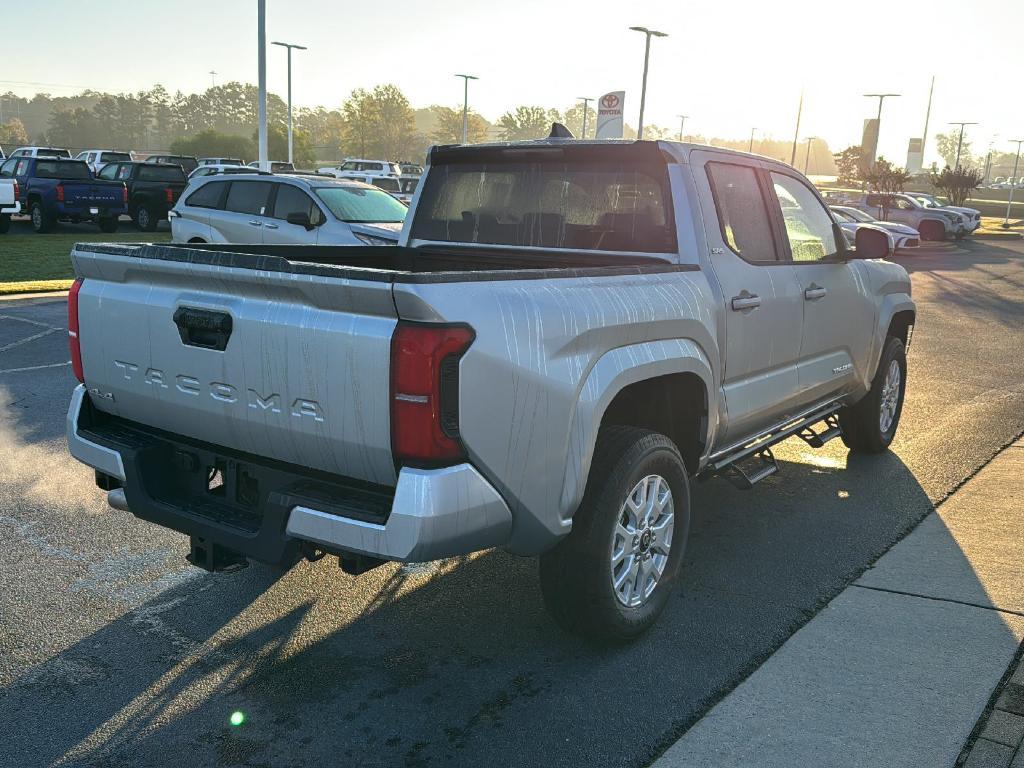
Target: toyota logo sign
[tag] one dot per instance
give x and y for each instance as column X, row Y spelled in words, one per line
column 609, row 101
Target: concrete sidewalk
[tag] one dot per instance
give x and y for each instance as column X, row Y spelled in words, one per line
column 899, row 667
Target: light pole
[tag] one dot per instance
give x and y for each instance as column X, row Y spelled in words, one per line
column 1013, row 184
column 289, row 46
column 807, row 155
column 878, row 122
column 213, row 78
column 586, row 106
column 682, row 122
column 796, row 133
column 643, row 90
column 750, row 148
column 960, row 142
column 465, row 105
column 261, row 33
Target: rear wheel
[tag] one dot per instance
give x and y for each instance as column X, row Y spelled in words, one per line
column 5, row 223
column 41, row 223
column 611, row 577
column 869, row 426
column 932, row 230
column 144, row 219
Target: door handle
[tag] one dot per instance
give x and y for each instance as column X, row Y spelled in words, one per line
column 255, row 223
column 270, row 226
column 745, row 301
column 815, row 292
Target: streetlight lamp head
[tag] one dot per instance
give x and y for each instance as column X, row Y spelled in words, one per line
column 469, row 77
column 645, row 30
column 659, row 34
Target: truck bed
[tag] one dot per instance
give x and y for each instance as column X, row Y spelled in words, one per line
column 396, row 264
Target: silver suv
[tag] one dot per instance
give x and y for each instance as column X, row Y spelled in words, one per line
column 285, row 210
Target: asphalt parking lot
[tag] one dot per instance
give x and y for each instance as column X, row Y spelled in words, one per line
column 115, row 652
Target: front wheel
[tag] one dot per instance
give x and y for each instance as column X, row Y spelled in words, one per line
column 41, row 223
column 932, row 231
column 869, row 426
column 611, row 577
column 109, row 225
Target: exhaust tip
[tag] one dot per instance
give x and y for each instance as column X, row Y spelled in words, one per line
column 116, row 499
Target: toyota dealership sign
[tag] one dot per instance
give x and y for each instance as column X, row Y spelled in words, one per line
column 609, row 115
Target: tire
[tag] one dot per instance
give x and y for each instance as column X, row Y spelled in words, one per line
column 865, row 429
column 109, row 225
column 577, row 575
column 145, row 220
column 41, row 223
column 932, row 230
column 5, row 223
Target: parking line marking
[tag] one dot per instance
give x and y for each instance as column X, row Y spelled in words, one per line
column 34, row 367
column 14, row 344
column 26, row 320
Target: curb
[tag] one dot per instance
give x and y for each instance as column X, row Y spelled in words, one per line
column 36, row 297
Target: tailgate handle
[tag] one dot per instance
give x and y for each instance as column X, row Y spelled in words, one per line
column 203, row 328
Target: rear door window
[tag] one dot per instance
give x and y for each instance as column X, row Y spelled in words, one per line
column 248, row 197
column 742, row 212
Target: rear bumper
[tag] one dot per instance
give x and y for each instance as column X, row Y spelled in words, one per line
column 265, row 510
column 12, row 209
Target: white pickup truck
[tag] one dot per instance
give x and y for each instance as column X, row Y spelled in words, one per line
column 10, row 204
column 567, row 333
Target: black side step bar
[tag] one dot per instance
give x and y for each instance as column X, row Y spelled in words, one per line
column 751, row 463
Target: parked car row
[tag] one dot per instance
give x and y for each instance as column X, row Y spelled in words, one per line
column 53, row 189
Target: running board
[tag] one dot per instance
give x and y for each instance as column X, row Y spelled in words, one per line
column 749, row 464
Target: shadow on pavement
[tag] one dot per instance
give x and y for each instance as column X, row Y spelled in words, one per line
column 457, row 663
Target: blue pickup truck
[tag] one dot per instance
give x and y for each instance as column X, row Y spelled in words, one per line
column 53, row 189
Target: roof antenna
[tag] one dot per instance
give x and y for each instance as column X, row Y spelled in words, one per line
column 559, row 131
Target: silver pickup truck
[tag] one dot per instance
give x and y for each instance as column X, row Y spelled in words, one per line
column 567, row 334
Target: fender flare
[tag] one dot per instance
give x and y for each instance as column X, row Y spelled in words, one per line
column 613, row 372
column 892, row 304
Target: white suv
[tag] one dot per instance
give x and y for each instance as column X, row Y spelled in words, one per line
column 358, row 167
column 260, row 208
column 97, row 158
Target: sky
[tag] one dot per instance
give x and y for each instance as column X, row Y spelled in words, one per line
column 730, row 65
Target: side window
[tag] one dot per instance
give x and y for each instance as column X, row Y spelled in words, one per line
column 124, row 172
column 291, row 200
column 108, row 172
column 22, row 167
column 7, row 169
column 903, row 205
column 207, row 196
column 742, row 213
column 808, row 225
column 248, row 197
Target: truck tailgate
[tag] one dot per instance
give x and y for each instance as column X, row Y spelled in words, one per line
column 97, row 194
column 302, row 376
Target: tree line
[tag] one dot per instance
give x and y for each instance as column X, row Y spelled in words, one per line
column 221, row 121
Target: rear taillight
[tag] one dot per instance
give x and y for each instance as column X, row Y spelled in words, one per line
column 59, row 189
column 17, row 192
column 170, row 196
column 73, row 341
column 425, row 392
column 124, row 194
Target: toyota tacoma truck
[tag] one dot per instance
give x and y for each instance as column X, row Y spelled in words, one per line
column 55, row 189
column 567, row 335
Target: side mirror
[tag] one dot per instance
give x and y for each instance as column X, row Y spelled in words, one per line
column 873, row 243
column 300, row 218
